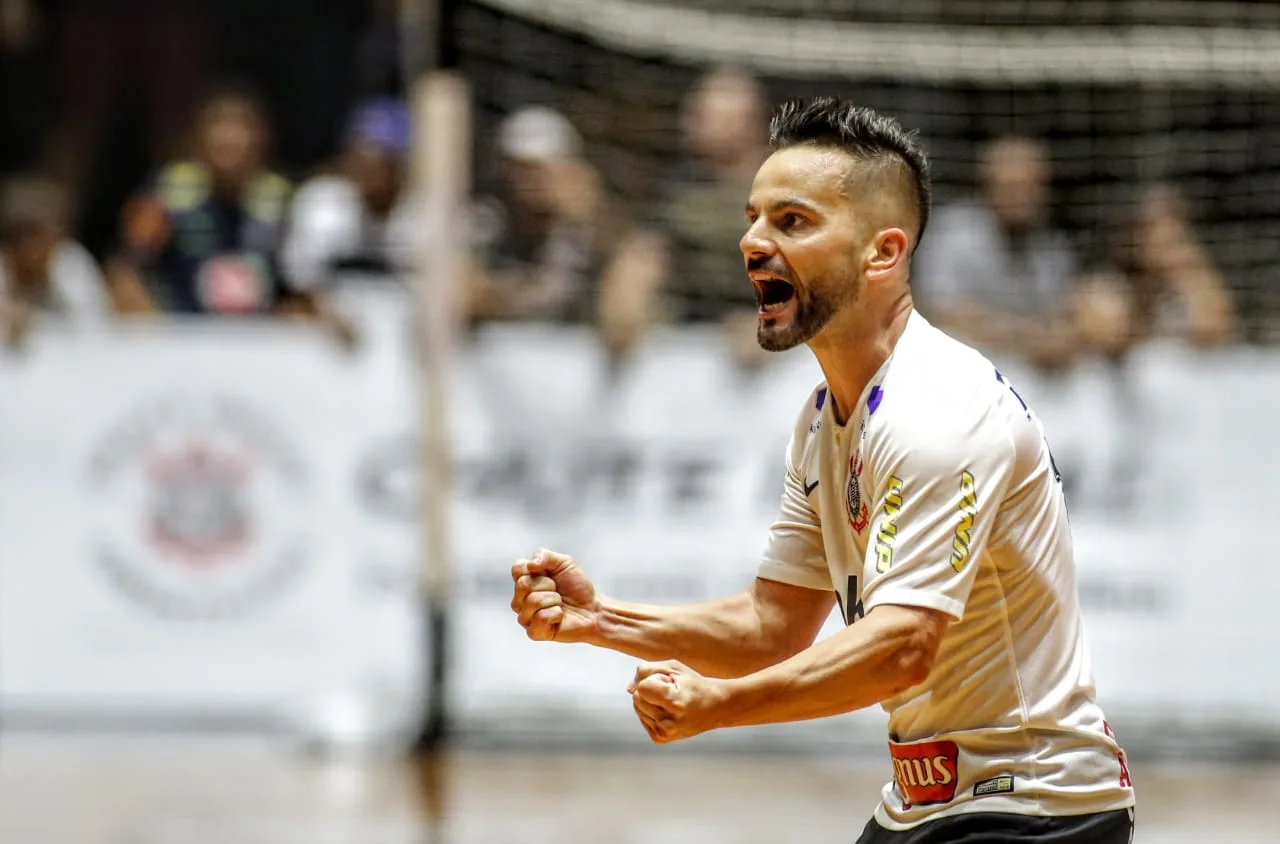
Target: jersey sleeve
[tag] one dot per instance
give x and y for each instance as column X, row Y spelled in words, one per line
column 936, row 501
column 794, row 553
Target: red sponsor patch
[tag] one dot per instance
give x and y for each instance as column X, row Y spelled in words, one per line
column 926, row 773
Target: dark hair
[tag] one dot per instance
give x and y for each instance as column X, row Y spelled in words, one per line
column 859, row 131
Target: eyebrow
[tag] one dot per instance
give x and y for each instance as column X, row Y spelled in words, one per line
column 787, row 202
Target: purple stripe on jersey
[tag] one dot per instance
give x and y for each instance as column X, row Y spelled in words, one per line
column 822, row 398
column 873, row 400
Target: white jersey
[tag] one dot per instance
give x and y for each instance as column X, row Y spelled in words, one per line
column 940, row 491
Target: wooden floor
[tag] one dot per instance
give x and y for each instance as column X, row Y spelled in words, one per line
column 166, row 792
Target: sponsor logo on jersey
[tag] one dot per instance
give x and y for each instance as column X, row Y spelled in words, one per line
column 888, row 525
column 859, row 512
column 809, row 488
column 1002, row 784
column 927, row 773
column 968, row 508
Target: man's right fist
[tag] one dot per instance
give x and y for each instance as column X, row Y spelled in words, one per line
column 554, row 599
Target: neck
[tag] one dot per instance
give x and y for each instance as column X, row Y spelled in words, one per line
column 851, row 354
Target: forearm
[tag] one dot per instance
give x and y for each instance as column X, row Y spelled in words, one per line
column 721, row 638
column 863, row 664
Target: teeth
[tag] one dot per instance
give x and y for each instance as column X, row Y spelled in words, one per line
column 773, row 308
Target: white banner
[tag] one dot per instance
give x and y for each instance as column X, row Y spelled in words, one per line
column 188, row 533
column 224, row 521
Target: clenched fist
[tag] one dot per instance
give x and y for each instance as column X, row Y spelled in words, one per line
column 554, row 599
column 675, row 702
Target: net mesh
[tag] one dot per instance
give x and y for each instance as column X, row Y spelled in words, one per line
column 1123, row 94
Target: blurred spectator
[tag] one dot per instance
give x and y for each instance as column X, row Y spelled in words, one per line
column 994, row 272
column 203, row 236
column 553, row 246
column 724, row 126
column 1161, row 282
column 724, row 123
column 42, row 270
column 356, row 219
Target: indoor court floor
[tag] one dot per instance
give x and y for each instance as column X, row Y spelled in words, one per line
column 82, row 791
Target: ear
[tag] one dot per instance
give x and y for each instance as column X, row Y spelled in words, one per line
column 886, row 252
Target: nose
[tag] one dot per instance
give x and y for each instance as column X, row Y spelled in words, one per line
column 755, row 244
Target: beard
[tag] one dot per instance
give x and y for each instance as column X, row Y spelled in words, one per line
column 812, row 314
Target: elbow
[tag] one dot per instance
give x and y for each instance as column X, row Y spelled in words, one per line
column 914, row 659
column 913, row 664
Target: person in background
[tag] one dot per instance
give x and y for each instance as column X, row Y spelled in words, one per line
column 203, row 236
column 995, row 273
column 1161, row 282
column 721, row 123
column 43, row 272
column 552, row 245
column 357, row 219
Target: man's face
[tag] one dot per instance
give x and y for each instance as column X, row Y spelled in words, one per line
column 803, row 244
column 232, row 139
column 1017, row 178
column 531, row 184
column 723, row 118
column 376, row 174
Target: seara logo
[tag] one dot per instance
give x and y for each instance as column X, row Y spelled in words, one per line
column 198, row 507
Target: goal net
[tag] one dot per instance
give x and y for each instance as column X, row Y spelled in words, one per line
column 1124, row 94
column 667, row 485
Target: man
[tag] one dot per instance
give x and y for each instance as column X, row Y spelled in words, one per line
column 204, row 236
column 920, row 494
column 721, row 123
column 43, row 272
column 995, row 273
column 357, row 220
column 205, row 233
column 555, row 245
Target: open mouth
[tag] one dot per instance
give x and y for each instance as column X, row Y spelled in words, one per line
column 773, row 295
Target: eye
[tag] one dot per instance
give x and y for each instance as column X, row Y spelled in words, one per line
column 789, row 221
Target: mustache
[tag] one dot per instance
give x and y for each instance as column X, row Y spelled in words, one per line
column 772, row 266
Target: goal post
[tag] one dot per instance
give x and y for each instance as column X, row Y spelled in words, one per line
column 440, row 182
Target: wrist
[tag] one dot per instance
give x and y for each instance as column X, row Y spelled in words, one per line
column 601, row 623
column 738, row 699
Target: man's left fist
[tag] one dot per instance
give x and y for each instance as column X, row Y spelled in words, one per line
column 675, row 702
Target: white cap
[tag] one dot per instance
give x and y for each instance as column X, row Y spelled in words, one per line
column 538, row 133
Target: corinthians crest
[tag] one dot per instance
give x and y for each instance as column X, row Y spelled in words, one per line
column 202, row 507
column 859, row 513
column 198, row 510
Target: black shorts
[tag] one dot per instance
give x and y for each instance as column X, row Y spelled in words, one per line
column 1005, row 828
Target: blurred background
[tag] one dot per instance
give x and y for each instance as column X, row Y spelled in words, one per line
column 315, row 316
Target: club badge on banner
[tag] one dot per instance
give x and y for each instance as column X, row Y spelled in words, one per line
column 184, row 535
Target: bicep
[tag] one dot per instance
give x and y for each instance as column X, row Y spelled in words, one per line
column 791, row 615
